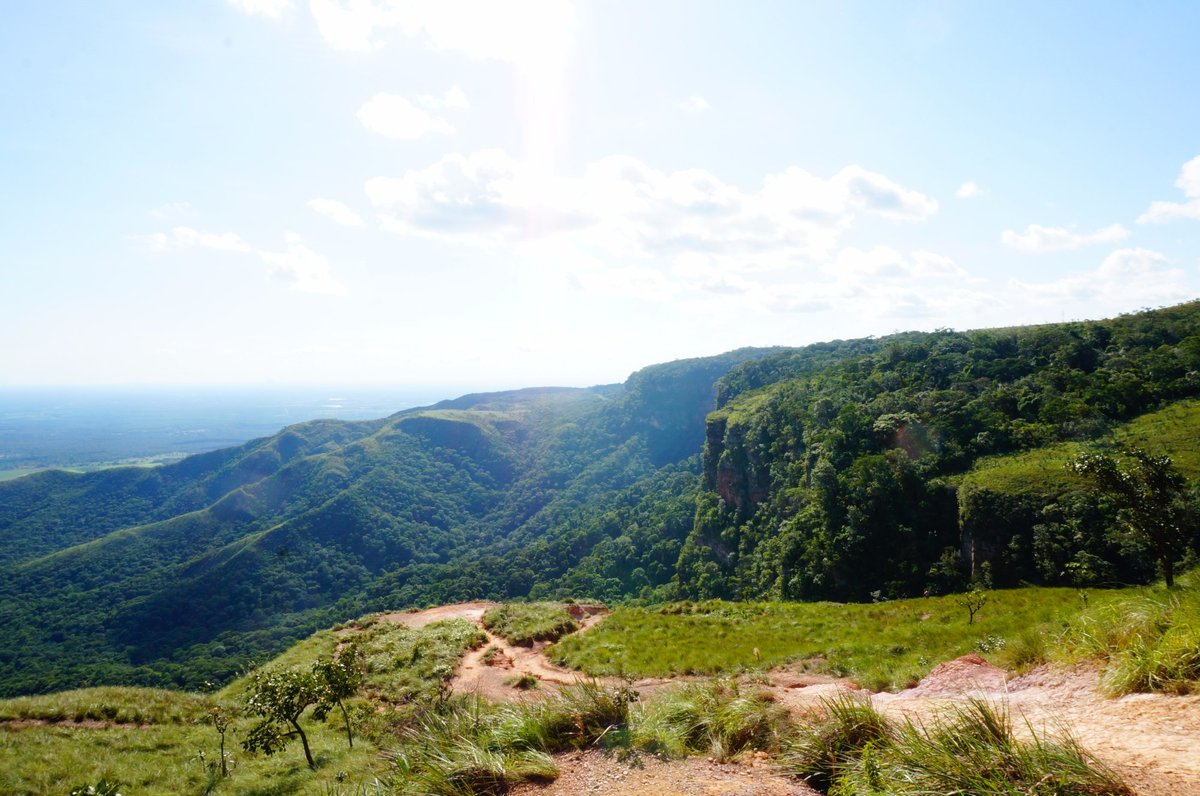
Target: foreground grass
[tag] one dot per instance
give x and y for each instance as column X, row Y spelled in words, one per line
column 1149, row 642
column 525, row 623
column 883, row 646
column 849, row 749
column 165, row 760
column 467, row 746
column 159, row 742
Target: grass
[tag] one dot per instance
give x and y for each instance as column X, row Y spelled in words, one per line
column 882, row 646
column 466, row 745
column 1149, row 642
column 116, row 705
column 849, row 749
column 525, row 623
column 824, row 747
column 1169, row 431
column 720, row 719
column 163, row 760
column 1043, row 471
column 162, row 745
column 416, row 738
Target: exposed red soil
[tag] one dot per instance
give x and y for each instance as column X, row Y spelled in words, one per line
column 594, row 772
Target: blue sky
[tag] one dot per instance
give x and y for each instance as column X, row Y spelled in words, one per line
column 489, row 195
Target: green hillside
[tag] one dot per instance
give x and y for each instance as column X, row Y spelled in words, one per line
column 852, row 471
column 410, row 736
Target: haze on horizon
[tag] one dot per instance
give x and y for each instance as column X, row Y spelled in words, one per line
column 245, row 192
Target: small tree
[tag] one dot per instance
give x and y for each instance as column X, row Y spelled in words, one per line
column 973, row 601
column 220, row 717
column 339, row 679
column 280, row 697
column 1152, row 498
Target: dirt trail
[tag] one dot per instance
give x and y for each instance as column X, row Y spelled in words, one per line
column 1151, row 740
column 490, row 679
column 593, row 772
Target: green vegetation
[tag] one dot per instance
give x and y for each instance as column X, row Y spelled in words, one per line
column 1149, row 642
column 166, row 742
column 525, row 623
column 888, row 645
column 1150, row 494
column 851, row 750
column 859, row 470
column 111, row 704
column 412, row 736
column 720, row 719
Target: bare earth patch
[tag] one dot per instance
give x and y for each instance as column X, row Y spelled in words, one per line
column 600, row 773
column 491, row 680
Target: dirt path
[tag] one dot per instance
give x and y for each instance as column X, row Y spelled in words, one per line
column 506, row 662
column 1151, row 740
column 594, row 772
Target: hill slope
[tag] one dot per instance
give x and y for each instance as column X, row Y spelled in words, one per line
column 849, row 470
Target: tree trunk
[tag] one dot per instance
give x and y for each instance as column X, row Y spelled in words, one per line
column 346, row 716
column 1168, row 570
column 304, row 740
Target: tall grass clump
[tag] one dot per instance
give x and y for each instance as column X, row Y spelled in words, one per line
column 972, row 749
column 837, row 735
column 719, row 719
column 461, row 748
column 466, row 745
column 525, row 623
column 1150, row 643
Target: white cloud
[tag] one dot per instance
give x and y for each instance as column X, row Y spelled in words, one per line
column 266, row 8
column 969, row 190
column 299, row 266
column 336, row 212
column 186, row 238
column 1127, row 277
column 1189, row 183
column 885, row 263
column 172, row 210
column 349, row 26
column 1037, row 238
column 624, row 206
column 395, row 117
column 454, row 98
column 694, row 104
column 517, row 31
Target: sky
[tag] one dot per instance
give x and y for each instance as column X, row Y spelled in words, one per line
column 503, row 194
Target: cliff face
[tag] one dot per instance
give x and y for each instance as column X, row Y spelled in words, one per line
column 734, row 467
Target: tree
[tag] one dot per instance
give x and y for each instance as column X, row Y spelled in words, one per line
column 973, row 601
column 339, row 678
column 280, row 697
column 1152, row 498
column 221, row 717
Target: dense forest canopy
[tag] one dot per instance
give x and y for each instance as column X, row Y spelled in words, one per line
column 852, row 470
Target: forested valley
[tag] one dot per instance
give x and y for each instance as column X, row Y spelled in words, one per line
column 853, row 470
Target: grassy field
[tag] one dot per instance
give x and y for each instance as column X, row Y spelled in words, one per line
column 160, row 742
column 525, row 623
column 886, row 645
column 1169, row 431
